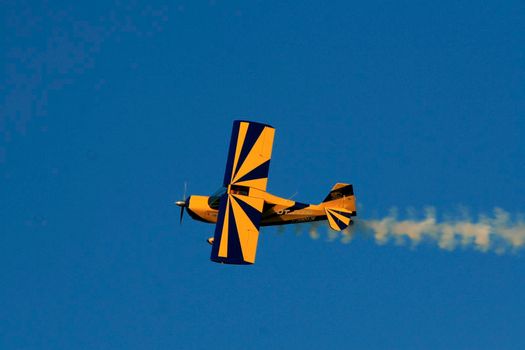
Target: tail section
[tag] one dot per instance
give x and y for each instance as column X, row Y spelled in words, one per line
column 338, row 218
column 339, row 191
column 339, row 206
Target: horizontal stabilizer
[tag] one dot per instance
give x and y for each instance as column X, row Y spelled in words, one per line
column 338, row 218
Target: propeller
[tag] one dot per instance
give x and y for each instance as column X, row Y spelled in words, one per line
column 182, row 203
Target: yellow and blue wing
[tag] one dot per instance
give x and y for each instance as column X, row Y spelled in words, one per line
column 237, row 229
column 238, row 220
column 249, row 155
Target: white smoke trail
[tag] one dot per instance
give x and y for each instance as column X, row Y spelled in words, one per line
column 499, row 232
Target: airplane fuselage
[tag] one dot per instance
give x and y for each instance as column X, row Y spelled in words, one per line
column 276, row 210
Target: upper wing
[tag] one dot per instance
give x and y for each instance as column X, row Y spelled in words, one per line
column 239, row 216
column 249, row 155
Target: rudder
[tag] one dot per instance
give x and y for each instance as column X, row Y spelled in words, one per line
column 339, row 191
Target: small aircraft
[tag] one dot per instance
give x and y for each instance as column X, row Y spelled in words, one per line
column 242, row 205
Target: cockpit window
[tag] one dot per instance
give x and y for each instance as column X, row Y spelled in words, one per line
column 215, row 198
column 243, row 190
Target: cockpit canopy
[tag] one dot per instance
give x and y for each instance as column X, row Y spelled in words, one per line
column 215, row 198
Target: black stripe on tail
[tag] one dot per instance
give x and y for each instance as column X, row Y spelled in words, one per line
column 339, row 191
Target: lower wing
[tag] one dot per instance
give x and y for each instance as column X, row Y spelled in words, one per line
column 237, row 229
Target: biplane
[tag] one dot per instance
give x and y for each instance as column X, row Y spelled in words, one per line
column 241, row 205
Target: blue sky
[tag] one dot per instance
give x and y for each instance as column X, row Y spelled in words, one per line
column 107, row 108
